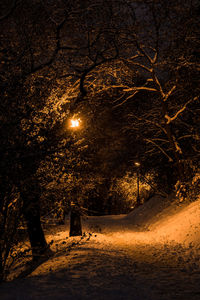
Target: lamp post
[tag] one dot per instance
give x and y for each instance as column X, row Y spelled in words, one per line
column 75, row 216
column 137, row 164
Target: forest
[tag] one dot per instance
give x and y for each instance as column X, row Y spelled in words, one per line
column 99, row 111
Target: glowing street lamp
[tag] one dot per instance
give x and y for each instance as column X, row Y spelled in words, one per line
column 75, row 123
column 137, row 164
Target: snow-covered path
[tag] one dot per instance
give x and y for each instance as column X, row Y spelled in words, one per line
column 97, row 269
column 123, row 261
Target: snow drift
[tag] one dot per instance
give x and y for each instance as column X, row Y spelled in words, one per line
column 160, row 220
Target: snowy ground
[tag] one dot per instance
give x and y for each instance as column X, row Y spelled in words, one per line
column 152, row 253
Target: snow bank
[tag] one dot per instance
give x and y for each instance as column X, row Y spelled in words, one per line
column 181, row 227
column 168, row 221
column 160, row 220
column 149, row 212
column 150, row 254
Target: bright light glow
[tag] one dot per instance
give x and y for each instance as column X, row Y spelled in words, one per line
column 74, row 123
column 137, row 164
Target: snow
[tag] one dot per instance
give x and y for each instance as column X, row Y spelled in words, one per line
column 152, row 253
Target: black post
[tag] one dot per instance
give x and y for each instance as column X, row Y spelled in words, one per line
column 75, row 222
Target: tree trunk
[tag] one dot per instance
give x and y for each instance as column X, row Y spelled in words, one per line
column 1, row 266
column 31, row 212
column 178, row 164
column 35, row 231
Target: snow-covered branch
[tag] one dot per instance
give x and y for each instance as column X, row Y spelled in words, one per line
column 169, row 93
column 157, row 83
column 125, row 100
column 171, row 119
column 160, row 148
column 140, row 88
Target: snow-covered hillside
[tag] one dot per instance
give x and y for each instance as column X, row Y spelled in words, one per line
column 160, row 220
column 152, row 253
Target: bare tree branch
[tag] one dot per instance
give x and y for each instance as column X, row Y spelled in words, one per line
column 163, row 151
column 10, row 10
column 125, row 100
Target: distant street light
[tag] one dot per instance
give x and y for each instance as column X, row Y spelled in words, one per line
column 137, row 164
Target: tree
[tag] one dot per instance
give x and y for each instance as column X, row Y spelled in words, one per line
column 23, row 60
column 153, row 67
column 40, row 54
